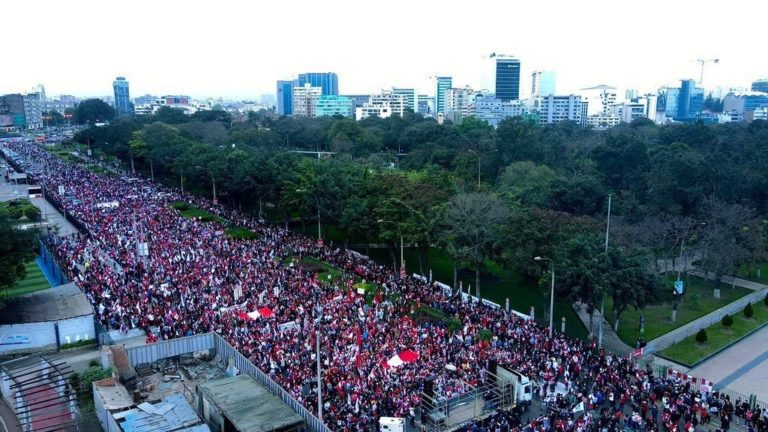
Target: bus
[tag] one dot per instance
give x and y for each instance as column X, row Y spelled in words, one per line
column 35, row 191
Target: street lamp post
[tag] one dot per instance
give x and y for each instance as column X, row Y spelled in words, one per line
column 477, row 153
column 602, row 297
column 551, row 292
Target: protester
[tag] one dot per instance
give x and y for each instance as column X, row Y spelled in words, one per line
column 194, row 279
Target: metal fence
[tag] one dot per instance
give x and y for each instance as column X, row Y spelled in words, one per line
column 170, row 348
column 175, row 347
column 51, row 265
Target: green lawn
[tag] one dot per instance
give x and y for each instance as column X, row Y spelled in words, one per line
column 757, row 273
column 698, row 301
column 34, row 281
column 191, row 212
column 241, row 233
column 688, row 351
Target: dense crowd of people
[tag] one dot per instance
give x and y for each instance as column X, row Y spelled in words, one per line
column 196, row 279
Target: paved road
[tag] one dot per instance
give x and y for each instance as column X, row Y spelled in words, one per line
column 743, row 367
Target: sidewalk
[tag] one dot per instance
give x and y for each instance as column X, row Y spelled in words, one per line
column 611, row 340
column 730, row 280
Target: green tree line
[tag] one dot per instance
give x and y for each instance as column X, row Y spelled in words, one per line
column 681, row 191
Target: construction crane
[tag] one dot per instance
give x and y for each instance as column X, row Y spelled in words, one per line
column 702, row 62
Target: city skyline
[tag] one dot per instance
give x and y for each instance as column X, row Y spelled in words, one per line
column 240, row 51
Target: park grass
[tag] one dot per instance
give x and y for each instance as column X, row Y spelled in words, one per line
column 698, row 301
column 752, row 272
column 35, row 280
column 191, row 212
column 689, row 352
column 241, row 233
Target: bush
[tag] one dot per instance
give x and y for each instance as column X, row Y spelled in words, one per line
column 701, row 336
column 484, row 335
column 748, row 312
column 32, row 213
column 453, row 324
column 727, row 321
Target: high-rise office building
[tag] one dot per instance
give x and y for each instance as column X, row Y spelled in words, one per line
column 411, row 101
column 425, row 105
column 507, row 77
column 334, row 105
column 304, row 98
column 329, row 81
column 542, row 85
column 600, row 98
column 493, row 110
column 122, row 97
column 760, row 85
column 12, row 105
column 284, row 97
column 690, row 100
column 555, row 109
column 33, row 111
column 443, row 84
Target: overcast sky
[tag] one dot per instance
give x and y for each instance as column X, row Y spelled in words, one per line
column 240, row 48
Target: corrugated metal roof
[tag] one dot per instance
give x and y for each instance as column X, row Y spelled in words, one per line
column 249, row 405
column 173, row 413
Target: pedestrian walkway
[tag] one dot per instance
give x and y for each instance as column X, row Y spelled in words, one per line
column 611, row 340
column 730, row 280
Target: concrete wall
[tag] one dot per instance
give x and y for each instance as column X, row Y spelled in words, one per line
column 21, row 338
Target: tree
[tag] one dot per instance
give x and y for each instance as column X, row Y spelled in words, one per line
column 525, row 184
column 52, row 118
column 624, row 274
column 733, row 236
column 347, row 136
column 214, row 115
column 170, row 115
column 584, row 271
column 16, row 249
column 701, row 336
column 727, row 321
column 748, row 311
column 92, row 111
column 540, row 232
column 471, row 225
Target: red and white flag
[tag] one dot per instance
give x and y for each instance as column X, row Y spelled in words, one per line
column 261, row 312
column 407, row 356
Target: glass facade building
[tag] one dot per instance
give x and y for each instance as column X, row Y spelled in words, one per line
column 334, row 105
column 329, row 81
column 507, row 78
column 760, row 85
column 690, row 100
column 443, row 84
column 123, row 104
column 285, row 97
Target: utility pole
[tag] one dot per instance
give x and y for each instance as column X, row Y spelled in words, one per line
column 602, row 301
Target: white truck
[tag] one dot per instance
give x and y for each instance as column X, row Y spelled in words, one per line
column 518, row 386
column 392, row 424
